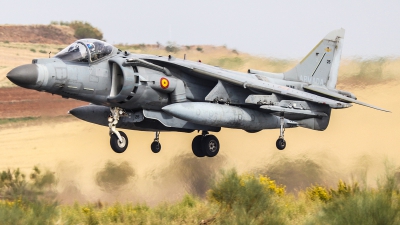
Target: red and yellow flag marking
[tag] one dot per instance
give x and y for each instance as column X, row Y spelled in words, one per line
column 164, row 82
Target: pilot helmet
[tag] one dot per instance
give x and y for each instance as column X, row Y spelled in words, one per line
column 91, row 47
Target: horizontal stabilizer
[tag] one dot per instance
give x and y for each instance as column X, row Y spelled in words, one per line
column 330, row 94
column 293, row 111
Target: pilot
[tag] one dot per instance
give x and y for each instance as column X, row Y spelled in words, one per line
column 92, row 48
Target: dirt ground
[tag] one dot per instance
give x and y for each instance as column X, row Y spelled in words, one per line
column 358, row 139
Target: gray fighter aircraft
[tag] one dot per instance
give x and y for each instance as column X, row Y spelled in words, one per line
column 155, row 93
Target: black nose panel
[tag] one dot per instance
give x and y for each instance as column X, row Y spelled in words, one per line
column 24, row 76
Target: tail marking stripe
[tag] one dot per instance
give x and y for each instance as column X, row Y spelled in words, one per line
column 318, row 64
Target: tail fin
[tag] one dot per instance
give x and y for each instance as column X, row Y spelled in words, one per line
column 321, row 65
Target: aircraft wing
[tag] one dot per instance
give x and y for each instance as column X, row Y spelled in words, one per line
column 241, row 79
column 326, row 92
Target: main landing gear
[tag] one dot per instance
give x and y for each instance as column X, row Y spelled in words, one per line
column 205, row 145
column 281, row 143
column 156, row 146
column 118, row 139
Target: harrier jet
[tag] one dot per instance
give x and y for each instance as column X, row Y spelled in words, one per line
column 156, row 93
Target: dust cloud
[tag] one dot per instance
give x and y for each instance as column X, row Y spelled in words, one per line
column 355, row 146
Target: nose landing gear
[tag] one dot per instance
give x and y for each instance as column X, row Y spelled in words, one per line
column 117, row 144
column 118, row 139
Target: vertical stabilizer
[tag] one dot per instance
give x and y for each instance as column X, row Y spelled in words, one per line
column 320, row 66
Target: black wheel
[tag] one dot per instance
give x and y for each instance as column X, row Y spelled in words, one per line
column 117, row 145
column 280, row 144
column 196, row 146
column 210, row 145
column 155, row 146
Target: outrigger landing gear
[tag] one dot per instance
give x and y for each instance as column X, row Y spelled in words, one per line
column 281, row 143
column 205, row 145
column 156, row 146
column 118, row 139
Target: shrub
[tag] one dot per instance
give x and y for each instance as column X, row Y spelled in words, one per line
column 362, row 206
column 33, row 50
column 27, row 202
column 172, row 47
column 247, row 199
column 85, row 30
column 13, row 185
column 43, row 51
column 62, row 23
column 317, row 192
column 345, row 190
column 21, row 211
column 200, row 49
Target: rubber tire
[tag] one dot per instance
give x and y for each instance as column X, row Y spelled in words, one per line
column 155, row 147
column 115, row 144
column 196, row 146
column 280, row 144
column 210, row 145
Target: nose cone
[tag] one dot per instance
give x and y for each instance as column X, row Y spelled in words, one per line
column 24, row 76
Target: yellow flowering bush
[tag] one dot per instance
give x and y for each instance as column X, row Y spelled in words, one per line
column 317, row 192
column 247, row 196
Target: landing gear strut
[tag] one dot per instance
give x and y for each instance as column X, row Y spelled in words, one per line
column 156, row 146
column 118, row 139
column 281, row 143
column 205, row 145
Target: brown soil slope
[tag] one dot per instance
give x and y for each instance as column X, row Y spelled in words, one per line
column 43, row 34
column 19, row 102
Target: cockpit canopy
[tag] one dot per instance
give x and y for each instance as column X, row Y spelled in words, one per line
column 85, row 50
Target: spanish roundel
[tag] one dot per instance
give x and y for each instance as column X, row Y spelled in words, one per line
column 164, row 82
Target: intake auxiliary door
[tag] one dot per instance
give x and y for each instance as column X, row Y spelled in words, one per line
column 124, row 81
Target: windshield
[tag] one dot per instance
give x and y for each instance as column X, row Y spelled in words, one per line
column 85, row 49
